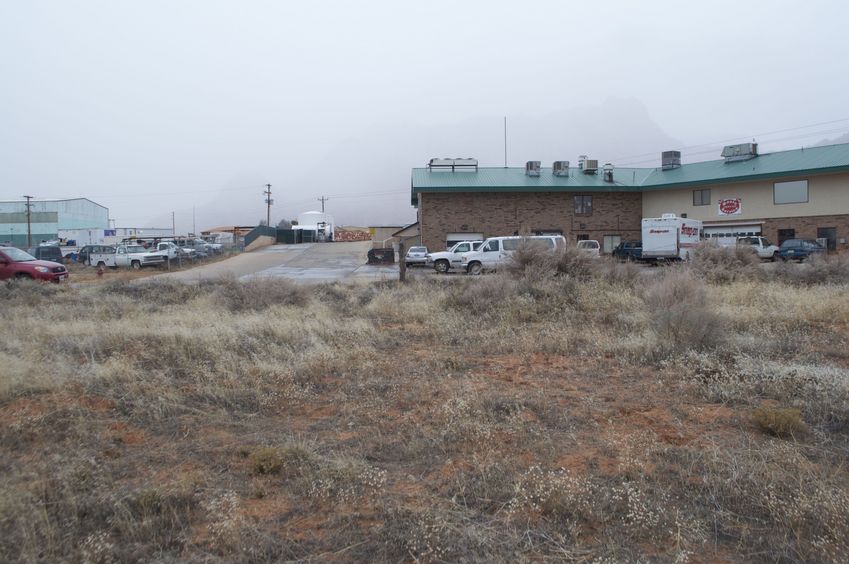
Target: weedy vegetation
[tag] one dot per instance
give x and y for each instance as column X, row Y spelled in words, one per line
column 567, row 409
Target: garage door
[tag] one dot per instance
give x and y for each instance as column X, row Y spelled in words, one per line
column 452, row 238
column 727, row 234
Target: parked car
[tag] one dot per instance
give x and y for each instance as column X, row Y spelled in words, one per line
column 628, row 250
column 444, row 261
column 416, row 255
column 85, row 252
column 171, row 251
column 760, row 245
column 799, row 249
column 590, row 247
column 46, row 252
column 15, row 263
column 497, row 252
column 134, row 256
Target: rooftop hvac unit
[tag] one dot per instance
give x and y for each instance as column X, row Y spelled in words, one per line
column 532, row 168
column 741, row 152
column 670, row 160
column 590, row 166
column 560, row 168
column 608, row 172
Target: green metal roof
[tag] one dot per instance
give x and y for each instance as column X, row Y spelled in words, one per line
column 798, row 162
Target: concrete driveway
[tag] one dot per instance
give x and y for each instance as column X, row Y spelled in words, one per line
column 308, row 262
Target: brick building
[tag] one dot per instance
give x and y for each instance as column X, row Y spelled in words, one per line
column 802, row 193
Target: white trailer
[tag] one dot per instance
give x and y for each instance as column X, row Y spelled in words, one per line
column 670, row 237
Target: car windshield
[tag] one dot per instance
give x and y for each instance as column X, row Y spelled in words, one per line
column 18, row 255
column 135, row 249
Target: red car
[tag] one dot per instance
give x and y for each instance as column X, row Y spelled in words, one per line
column 15, row 263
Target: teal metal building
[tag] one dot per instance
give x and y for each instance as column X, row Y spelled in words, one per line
column 47, row 217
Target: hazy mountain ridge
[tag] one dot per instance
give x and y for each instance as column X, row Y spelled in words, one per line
column 368, row 177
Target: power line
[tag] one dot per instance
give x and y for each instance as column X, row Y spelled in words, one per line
column 620, row 159
column 713, row 148
column 268, row 201
column 29, row 220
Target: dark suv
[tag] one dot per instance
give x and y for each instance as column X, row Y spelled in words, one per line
column 46, row 252
column 15, row 263
column 628, row 250
column 799, row 249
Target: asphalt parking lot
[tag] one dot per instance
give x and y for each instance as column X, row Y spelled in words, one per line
column 308, row 262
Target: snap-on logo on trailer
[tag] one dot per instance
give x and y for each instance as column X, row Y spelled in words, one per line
column 658, row 230
column 689, row 231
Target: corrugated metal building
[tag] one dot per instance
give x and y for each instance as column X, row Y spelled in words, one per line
column 47, row 217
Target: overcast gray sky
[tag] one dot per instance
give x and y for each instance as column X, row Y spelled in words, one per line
column 152, row 106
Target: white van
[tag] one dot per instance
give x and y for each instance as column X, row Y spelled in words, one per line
column 497, row 252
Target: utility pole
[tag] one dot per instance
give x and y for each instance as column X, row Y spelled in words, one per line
column 29, row 220
column 322, row 200
column 194, row 229
column 173, row 225
column 268, row 201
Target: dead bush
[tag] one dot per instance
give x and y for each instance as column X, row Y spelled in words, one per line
column 30, row 293
column 481, row 295
column 779, row 421
column 681, row 314
column 533, row 257
column 722, row 265
column 154, row 293
column 265, row 460
column 616, row 272
column 261, row 293
column 818, row 269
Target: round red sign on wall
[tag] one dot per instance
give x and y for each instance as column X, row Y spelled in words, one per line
column 729, row 206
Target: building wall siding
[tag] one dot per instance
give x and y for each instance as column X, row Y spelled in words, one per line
column 806, row 227
column 828, row 194
column 494, row 214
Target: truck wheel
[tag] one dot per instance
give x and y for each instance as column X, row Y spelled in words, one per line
column 101, row 264
column 441, row 266
column 135, row 265
column 475, row 269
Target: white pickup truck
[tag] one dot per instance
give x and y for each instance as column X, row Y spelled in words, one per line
column 443, row 261
column 760, row 245
column 134, row 256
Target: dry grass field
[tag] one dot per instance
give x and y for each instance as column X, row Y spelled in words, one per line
column 600, row 414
